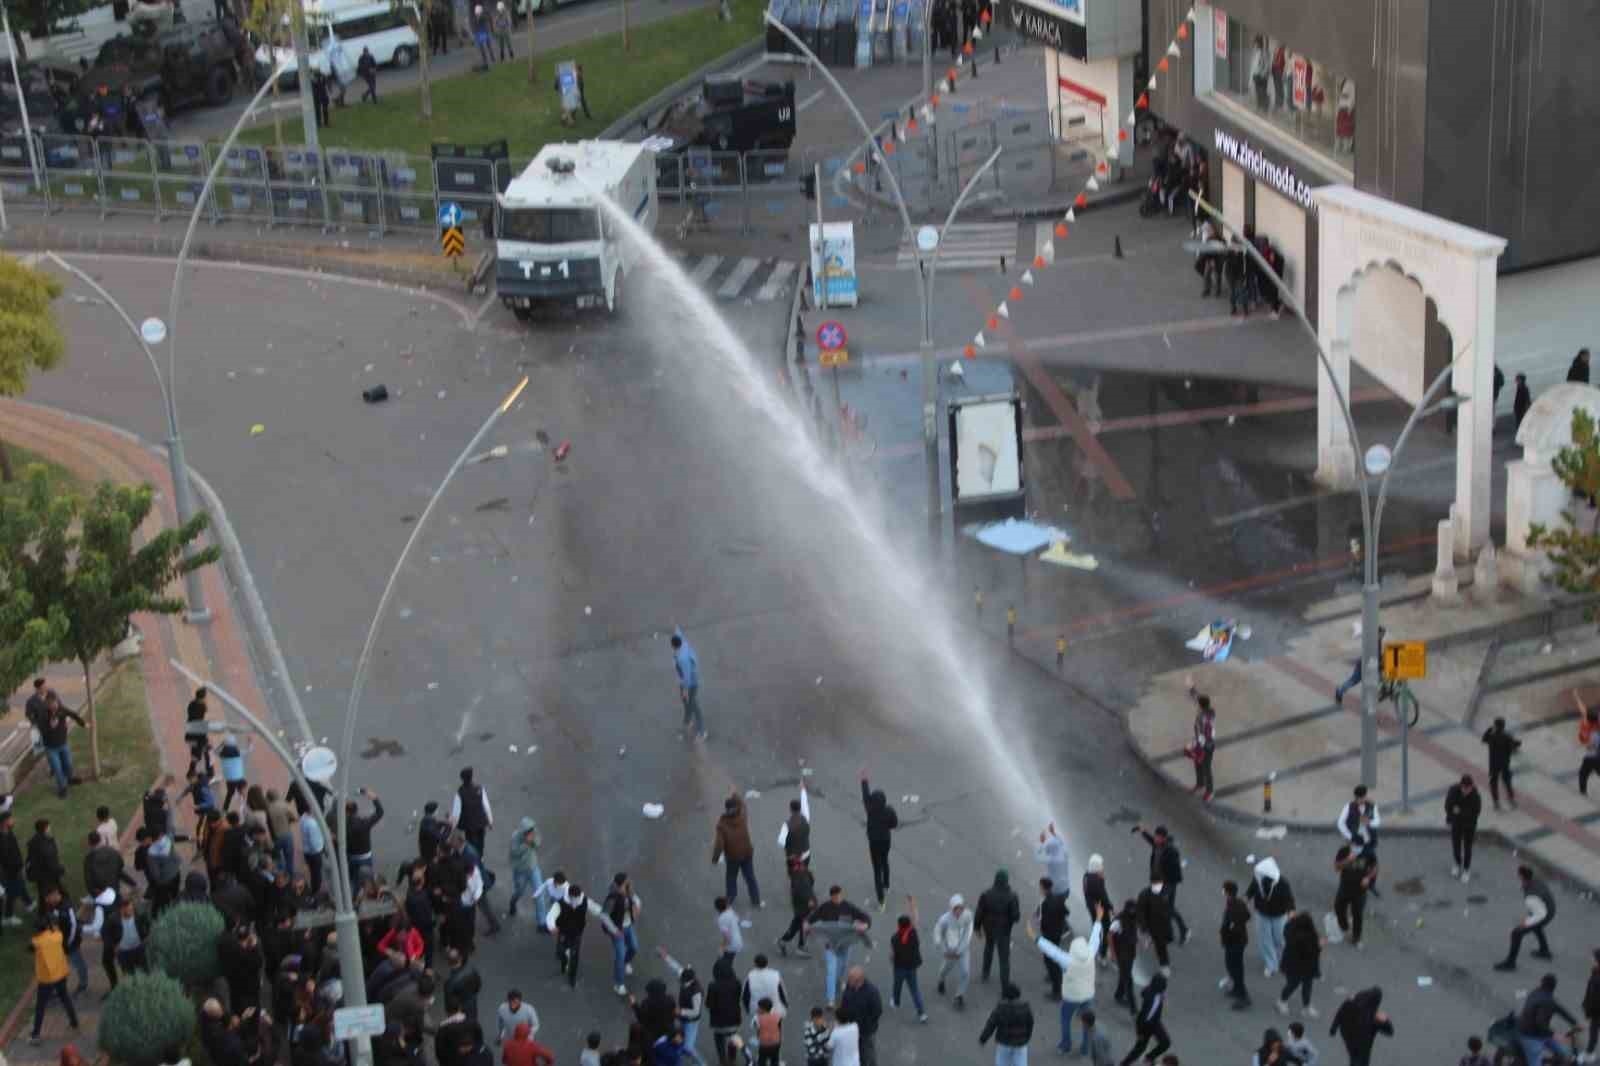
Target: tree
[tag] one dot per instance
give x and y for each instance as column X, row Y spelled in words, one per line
column 78, row 557
column 183, row 943
column 144, row 1018
column 1574, row 549
column 419, row 16
column 30, row 339
column 26, row 639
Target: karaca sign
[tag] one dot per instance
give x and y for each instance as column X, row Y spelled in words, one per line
column 1261, row 168
column 1048, row 24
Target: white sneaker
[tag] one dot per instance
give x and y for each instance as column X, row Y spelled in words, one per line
column 1283, row 1008
column 620, row 990
column 1311, row 1012
column 1466, row 875
column 1269, row 971
column 1455, row 871
column 1225, row 984
column 745, row 923
column 628, row 969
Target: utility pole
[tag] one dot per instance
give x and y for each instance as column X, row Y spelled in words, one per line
column 308, row 107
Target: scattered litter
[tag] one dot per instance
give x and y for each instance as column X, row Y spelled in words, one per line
column 1016, row 832
column 1250, row 859
column 405, row 612
column 807, row 771
column 654, row 810
column 1017, row 538
column 513, row 749
column 1547, row 648
column 1214, row 642
column 1272, row 832
column 622, row 751
column 1058, row 554
column 367, row 369
column 819, row 679
column 257, row 429
column 260, row 370
column 443, row 393
column 562, row 449
column 1330, row 928
column 751, row 794
column 745, row 923
column 1424, row 982
column 432, row 685
column 233, row 375
column 532, row 748
column 915, row 798
column 587, row 609
column 308, row 688
column 1232, row 419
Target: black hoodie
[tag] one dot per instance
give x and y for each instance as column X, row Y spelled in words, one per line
column 998, row 909
column 1357, row 1022
column 44, row 860
column 656, row 1012
column 10, row 856
column 1152, row 1002
column 881, row 817
column 722, row 997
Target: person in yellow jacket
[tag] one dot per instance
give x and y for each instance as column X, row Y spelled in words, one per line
column 50, row 970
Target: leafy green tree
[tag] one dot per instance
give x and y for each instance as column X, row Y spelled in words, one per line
column 144, row 1018
column 1574, row 548
column 79, row 558
column 30, row 339
column 183, row 943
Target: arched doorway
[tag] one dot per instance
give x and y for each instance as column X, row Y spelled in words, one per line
column 1388, row 278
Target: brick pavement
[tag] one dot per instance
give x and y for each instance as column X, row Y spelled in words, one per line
column 219, row 649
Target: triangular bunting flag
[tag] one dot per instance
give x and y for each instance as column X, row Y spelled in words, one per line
column 1003, row 311
column 1081, row 200
column 978, row 340
column 1183, row 31
column 1190, row 16
column 1027, row 277
column 1151, row 84
column 969, row 351
column 992, row 322
column 1164, row 65
column 1133, row 118
column 977, row 33
column 1143, row 103
column 1016, row 293
column 1072, row 214
column 1038, row 262
column 1047, row 251
column 1173, row 50
column 1091, row 184
column 1122, row 135
column 944, row 87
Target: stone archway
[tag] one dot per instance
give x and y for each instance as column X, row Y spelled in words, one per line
column 1454, row 267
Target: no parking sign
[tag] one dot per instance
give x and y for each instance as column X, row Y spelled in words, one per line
column 831, row 340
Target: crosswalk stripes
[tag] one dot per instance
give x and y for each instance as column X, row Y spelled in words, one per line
column 968, row 246
column 746, row 277
column 729, row 290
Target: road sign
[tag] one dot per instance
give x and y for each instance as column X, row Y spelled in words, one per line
column 453, row 243
column 1405, row 660
column 450, row 214
column 833, row 357
column 351, row 1022
column 831, row 336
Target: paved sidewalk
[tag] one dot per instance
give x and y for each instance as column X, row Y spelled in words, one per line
column 1277, row 720
column 219, row 650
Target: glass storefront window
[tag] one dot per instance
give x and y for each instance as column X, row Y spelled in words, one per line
column 1287, row 88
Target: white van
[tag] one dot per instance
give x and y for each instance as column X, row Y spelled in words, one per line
column 377, row 27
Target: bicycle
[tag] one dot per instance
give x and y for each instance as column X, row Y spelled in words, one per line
column 1400, row 692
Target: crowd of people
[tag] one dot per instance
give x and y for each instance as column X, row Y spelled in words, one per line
column 260, row 859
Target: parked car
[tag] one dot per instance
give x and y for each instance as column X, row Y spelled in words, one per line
column 178, row 67
column 377, row 27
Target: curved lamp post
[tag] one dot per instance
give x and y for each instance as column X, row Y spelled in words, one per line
column 1371, row 517
column 182, row 491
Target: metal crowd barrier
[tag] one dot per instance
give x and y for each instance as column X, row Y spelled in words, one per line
column 71, row 171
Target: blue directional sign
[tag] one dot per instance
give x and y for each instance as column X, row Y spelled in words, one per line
column 450, row 214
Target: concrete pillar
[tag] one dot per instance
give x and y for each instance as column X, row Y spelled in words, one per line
column 1486, row 575
column 1446, row 587
column 1474, row 376
column 1336, row 457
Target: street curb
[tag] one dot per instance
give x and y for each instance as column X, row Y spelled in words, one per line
column 44, row 237
column 258, row 626
column 631, row 118
column 1324, row 828
column 1034, row 212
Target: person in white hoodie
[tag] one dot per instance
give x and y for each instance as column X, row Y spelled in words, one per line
column 1077, row 977
column 1273, row 901
column 764, row 982
column 953, row 935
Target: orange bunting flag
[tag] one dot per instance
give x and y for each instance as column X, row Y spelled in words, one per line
column 1015, row 293
column 1038, row 261
column 911, row 125
column 1102, row 168
column 1183, row 31
column 860, row 168
column 1081, row 201
column 970, row 352
column 1143, row 103
column 1061, row 229
column 950, row 75
column 1163, row 65
column 1122, row 135
column 992, row 322
column 888, row 148
column 934, row 99
column 984, row 16
column 966, row 49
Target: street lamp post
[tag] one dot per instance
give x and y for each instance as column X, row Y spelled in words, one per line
column 183, row 495
column 151, row 332
column 930, row 429
column 1371, row 517
column 346, row 922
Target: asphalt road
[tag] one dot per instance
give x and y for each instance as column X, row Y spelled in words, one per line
column 536, row 610
column 569, row 24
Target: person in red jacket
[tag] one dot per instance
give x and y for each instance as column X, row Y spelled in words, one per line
column 523, row 1050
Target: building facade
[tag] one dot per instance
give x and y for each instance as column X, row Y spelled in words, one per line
column 1485, row 113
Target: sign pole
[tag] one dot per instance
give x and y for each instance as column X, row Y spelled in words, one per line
column 822, row 281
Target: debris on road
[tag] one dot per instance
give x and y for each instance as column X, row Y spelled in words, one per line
column 562, row 449
column 1058, row 554
column 257, row 429
column 1017, row 538
column 1272, row 832
column 654, row 810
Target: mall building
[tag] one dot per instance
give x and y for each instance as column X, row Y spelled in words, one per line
column 1486, row 113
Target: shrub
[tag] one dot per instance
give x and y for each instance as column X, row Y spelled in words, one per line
column 183, row 943
column 146, row 1014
